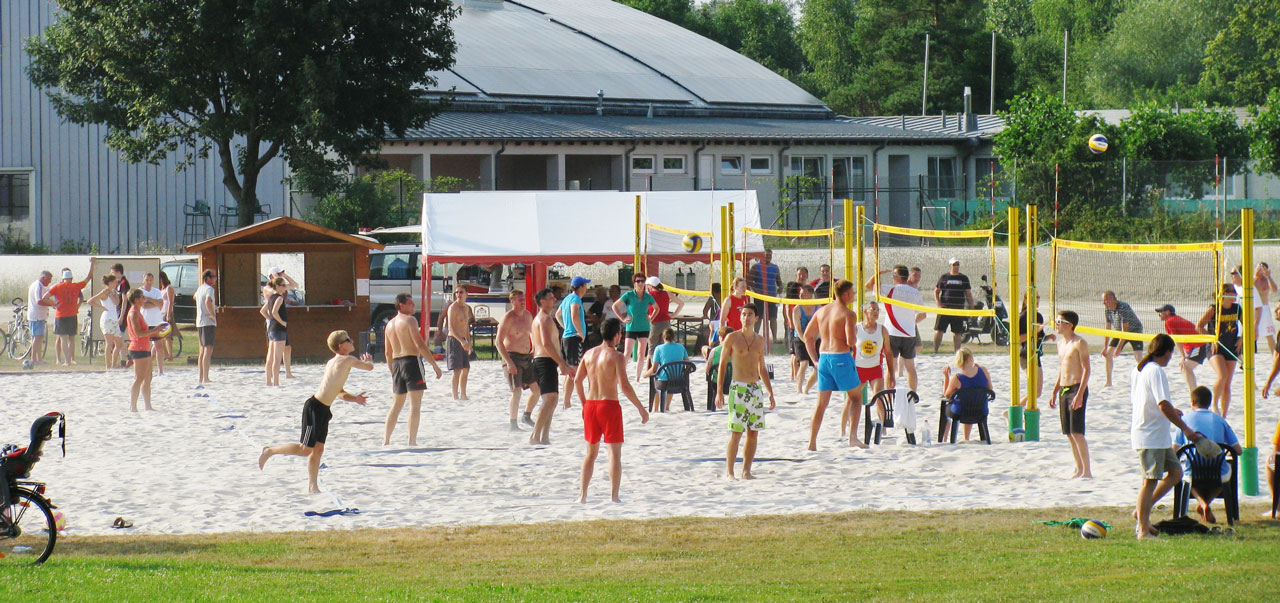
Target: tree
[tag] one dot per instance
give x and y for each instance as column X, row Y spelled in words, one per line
column 318, row 83
column 1242, row 63
column 761, row 30
column 826, row 37
column 372, row 200
column 1156, row 46
column 1266, row 134
column 679, row 12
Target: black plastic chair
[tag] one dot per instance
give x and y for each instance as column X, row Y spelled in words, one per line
column 711, row 386
column 975, row 405
column 887, row 397
column 676, row 381
column 1206, row 474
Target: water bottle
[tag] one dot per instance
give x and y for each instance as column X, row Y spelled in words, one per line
column 926, row 437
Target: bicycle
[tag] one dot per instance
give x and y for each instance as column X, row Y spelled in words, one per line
column 20, row 338
column 27, row 536
column 89, row 347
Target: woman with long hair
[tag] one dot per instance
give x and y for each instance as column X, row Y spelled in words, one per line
column 969, row 374
column 108, row 301
column 633, row 307
column 166, row 289
column 277, row 329
column 1226, row 351
column 140, row 334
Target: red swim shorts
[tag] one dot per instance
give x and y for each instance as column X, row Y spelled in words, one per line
column 602, row 418
column 867, row 375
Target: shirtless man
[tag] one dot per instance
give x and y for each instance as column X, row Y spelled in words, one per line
column 745, row 349
column 316, row 412
column 546, row 357
column 601, row 413
column 837, row 326
column 516, row 350
column 404, row 352
column 457, row 351
column 1071, row 390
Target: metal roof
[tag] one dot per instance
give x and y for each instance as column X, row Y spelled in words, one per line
column 574, row 48
column 949, row 124
column 456, row 125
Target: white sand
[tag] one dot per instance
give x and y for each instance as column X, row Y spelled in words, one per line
column 190, row 467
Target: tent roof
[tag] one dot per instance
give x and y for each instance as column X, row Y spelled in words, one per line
column 284, row 230
column 565, row 226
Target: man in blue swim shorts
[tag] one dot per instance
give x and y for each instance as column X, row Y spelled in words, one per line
column 836, row 325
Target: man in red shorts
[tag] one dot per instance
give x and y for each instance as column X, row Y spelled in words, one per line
column 601, row 412
column 1193, row 354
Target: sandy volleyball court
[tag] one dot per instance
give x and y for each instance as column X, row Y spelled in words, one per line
column 190, row 467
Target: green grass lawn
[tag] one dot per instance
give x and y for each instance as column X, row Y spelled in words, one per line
column 979, row 555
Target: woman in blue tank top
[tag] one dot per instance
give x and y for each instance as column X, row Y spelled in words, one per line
column 969, row 374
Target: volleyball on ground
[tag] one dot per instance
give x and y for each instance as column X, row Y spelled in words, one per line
column 1098, row 143
column 692, row 243
column 1093, row 529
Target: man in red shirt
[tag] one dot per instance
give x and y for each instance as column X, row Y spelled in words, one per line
column 65, row 299
column 1193, row 354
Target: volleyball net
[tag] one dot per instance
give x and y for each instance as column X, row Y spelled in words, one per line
column 765, row 282
column 1142, row 277
column 929, row 255
column 685, row 260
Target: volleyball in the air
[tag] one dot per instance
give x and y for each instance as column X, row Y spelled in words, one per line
column 1093, row 529
column 692, row 243
column 59, row 521
column 1098, row 143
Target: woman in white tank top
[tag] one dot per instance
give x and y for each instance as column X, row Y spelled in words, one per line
column 108, row 301
column 869, row 355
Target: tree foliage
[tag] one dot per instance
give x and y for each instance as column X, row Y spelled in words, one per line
column 1242, row 64
column 762, row 30
column 318, row 83
column 1266, row 134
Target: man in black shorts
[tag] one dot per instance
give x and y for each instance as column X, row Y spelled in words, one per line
column 546, row 357
column 404, row 349
column 952, row 292
column 1120, row 317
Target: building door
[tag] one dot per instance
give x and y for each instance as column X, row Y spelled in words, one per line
column 706, row 163
column 899, row 190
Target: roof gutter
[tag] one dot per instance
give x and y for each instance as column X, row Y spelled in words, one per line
column 626, row 164
column 500, row 151
column 781, row 166
column 696, row 163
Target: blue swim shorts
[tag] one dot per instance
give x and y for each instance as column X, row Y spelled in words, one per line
column 37, row 327
column 837, row 372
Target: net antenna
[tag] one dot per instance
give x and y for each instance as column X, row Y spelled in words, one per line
column 1082, row 272
column 666, row 245
column 929, row 250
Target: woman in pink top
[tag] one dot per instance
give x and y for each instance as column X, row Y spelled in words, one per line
column 140, row 335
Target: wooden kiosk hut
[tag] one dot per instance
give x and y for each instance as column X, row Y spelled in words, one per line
column 334, row 285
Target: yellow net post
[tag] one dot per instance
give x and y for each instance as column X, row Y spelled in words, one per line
column 1015, row 395
column 725, row 255
column 636, row 269
column 860, row 247
column 1031, row 415
column 733, row 270
column 1249, row 460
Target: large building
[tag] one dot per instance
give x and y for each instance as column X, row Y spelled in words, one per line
column 548, row 95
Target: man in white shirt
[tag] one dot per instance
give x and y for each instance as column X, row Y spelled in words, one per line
column 1153, row 414
column 38, row 314
column 900, row 321
column 206, row 322
column 153, row 314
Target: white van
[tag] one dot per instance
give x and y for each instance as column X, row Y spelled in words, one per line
column 397, row 270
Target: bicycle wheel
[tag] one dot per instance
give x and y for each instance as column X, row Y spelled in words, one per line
column 27, row 532
column 4, row 342
column 19, row 341
column 175, row 343
column 86, row 342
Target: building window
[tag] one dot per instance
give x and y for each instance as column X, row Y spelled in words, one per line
column 992, row 182
column 731, row 164
column 673, row 164
column 943, row 179
column 642, row 164
column 762, row 165
column 15, row 196
column 849, row 178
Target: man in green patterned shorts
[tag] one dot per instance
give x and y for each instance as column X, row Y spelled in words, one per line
column 745, row 350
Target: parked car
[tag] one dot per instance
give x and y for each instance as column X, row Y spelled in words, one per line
column 397, row 269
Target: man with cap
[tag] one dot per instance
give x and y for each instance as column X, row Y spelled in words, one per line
column 38, row 314
column 65, row 299
column 574, row 339
column 1193, row 354
column 952, row 292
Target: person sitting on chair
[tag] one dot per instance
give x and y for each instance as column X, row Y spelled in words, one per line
column 968, row 375
column 668, row 351
column 1215, row 428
